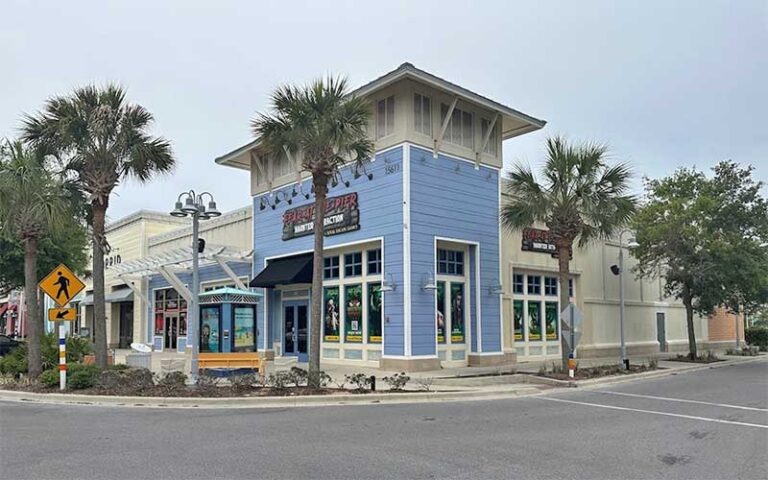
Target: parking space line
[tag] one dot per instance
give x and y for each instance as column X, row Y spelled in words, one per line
column 682, row 400
column 654, row 412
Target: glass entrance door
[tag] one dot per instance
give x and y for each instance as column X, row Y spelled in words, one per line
column 171, row 331
column 296, row 330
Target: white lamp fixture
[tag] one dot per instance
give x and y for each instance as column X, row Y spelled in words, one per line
column 495, row 289
column 429, row 282
column 388, row 285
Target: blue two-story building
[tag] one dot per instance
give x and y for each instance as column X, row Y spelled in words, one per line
column 412, row 263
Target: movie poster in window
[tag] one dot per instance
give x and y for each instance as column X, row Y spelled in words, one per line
column 441, row 311
column 457, row 312
column 374, row 312
column 518, row 315
column 332, row 315
column 550, row 320
column 534, row 320
column 210, row 319
column 353, row 313
column 244, row 336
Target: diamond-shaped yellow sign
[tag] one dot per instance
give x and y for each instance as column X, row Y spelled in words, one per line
column 61, row 285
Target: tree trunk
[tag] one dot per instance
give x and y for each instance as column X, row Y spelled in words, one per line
column 688, row 302
column 563, row 260
column 99, row 306
column 321, row 190
column 34, row 325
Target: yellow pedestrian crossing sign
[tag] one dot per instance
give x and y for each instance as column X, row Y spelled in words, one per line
column 59, row 314
column 61, row 285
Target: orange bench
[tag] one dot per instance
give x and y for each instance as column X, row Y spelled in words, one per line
column 231, row 360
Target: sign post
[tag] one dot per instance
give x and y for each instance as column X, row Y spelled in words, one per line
column 62, row 286
column 572, row 319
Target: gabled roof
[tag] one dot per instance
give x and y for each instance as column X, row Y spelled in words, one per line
column 519, row 122
column 408, row 70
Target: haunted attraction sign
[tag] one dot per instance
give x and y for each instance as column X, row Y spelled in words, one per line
column 341, row 215
column 538, row 240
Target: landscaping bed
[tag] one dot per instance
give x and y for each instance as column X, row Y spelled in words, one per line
column 709, row 357
column 556, row 372
column 120, row 380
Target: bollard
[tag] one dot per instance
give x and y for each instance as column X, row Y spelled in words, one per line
column 571, row 365
column 373, row 383
column 62, row 356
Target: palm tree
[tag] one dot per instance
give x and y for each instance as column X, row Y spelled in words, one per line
column 32, row 204
column 325, row 128
column 578, row 196
column 101, row 140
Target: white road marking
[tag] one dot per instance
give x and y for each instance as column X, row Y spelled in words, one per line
column 754, row 409
column 678, row 415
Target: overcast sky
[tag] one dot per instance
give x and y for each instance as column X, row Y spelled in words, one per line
column 665, row 84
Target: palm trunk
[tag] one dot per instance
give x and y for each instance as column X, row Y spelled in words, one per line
column 99, row 307
column 563, row 260
column 688, row 302
column 34, row 325
column 321, row 190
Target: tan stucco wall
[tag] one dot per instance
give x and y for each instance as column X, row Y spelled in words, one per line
column 597, row 296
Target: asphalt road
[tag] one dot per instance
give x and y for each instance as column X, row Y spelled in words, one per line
column 706, row 424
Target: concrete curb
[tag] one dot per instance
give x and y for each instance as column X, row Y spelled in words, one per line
column 265, row 402
column 662, row 372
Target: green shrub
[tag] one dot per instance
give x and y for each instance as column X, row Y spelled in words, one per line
column 15, row 362
column 80, row 376
column 77, row 348
column 173, row 383
column 280, row 380
column 298, row 376
column 757, row 336
column 207, row 384
column 243, row 383
column 126, row 381
column 359, row 380
column 49, row 378
column 323, row 379
column 398, row 381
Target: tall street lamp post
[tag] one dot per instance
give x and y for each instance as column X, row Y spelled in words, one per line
column 194, row 207
column 620, row 272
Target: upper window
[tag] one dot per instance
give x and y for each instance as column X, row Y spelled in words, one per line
column 517, row 283
column 385, row 117
column 534, row 285
column 550, row 285
column 422, row 114
column 450, row 262
column 492, row 146
column 459, row 130
column 353, row 264
column 331, row 267
column 374, row 261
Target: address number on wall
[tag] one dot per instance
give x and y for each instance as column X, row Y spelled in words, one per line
column 392, row 168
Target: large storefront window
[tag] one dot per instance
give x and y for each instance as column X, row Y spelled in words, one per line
column 374, row 312
column 244, row 338
column 331, row 315
column 353, row 313
column 536, row 311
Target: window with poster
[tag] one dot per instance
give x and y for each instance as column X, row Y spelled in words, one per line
column 244, row 336
column 353, row 313
column 331, row 314
column 375, row 308
column 210, row 329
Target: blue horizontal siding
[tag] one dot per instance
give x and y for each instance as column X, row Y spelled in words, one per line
column 381, row 215
column 449, row 198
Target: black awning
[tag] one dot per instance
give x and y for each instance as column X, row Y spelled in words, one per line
column 285, row 271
